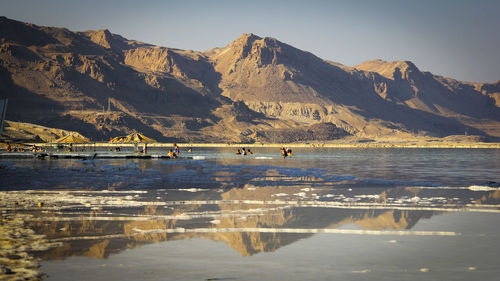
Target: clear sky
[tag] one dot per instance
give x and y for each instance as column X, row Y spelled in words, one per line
column 454, row 38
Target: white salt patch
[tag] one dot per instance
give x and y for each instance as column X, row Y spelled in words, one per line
column 472, row 187
column 192, row 189
column 415, row 199
column 472, row 268
column 280, row 194
column 251, row 188
column 300, row 194
column 308, row 230
column 199, row 157
column 263, row 157
column 482, row 188
column 424, row 269
column 376, row 196
column 393, row 241
column 364, row 271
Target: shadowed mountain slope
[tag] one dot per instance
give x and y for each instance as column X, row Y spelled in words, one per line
column 102, row 85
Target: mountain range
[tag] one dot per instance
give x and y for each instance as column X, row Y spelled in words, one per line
column 252, row 90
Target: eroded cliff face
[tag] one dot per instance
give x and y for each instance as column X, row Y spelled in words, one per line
column 56, row 77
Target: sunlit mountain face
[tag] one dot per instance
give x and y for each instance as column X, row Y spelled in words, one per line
column 252, row 90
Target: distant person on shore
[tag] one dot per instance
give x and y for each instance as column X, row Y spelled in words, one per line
column 190, row 149
column 249, row 152
column 145, row 151
column 177, row 150
column 171, row 154
column 243, row 151
column 289, row 152
column 8, row 148
column 238, row 152
column 284, row 153
column 33, row 148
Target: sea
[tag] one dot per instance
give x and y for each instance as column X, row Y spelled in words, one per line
column 210, row 214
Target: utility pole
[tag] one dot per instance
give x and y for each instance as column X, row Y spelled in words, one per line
column 3, row 111
column 109, row 104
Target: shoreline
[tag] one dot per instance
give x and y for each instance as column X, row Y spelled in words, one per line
column 433, row 143
column 301, row 145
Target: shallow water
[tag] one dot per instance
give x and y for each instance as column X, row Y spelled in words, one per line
column 322, row 214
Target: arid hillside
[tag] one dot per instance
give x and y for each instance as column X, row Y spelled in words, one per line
column 253, row 90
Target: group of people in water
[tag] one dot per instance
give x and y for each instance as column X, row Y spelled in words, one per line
column 175, row 152
column 286, row 152
column 34, row 148
column 243, row 152
column 172, row 153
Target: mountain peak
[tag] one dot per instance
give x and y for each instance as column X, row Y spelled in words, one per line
column 260, row 50
column 248, row 46
column 106, row 39
column 251, row 39
column 248, row 36
column 393, row 70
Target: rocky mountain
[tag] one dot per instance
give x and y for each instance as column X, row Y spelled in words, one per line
column 255, row 89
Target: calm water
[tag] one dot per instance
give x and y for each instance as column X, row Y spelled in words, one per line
column 323, row 214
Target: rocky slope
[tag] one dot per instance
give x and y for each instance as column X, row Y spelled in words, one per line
column 19, row 132
column 103, row 85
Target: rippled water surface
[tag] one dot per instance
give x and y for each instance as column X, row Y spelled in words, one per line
column 322, row 214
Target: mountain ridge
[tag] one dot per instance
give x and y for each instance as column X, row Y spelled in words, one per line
column 103, row 84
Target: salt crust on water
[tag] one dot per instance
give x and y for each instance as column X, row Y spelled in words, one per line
column 16, row 242
column 192, row 189
column 58, row 200
column 55, row 200
column 472, row 187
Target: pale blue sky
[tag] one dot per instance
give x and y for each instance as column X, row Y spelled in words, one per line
column 454, row 38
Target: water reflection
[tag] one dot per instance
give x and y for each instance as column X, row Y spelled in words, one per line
column 250, row 220
column 64, row 208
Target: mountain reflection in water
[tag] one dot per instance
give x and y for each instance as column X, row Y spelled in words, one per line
column 251, row 219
